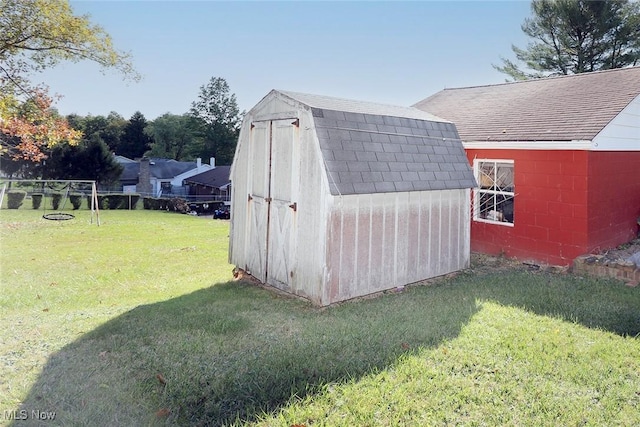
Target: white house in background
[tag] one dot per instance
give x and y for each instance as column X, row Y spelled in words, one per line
column 159, row 177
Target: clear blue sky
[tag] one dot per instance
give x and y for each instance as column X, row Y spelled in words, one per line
column 389, row 52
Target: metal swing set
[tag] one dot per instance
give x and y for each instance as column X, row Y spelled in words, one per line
column 67, row 186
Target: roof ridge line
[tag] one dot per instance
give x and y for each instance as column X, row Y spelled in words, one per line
column 550, row 77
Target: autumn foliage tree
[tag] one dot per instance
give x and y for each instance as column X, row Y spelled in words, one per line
column 35, row 35
column 27, row 128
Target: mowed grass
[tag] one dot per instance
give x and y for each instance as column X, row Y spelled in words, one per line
column 138, row 322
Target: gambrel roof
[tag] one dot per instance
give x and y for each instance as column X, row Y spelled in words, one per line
column 378, row 148
column 567, row 108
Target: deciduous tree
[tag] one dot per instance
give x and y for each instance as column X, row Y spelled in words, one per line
column 174, row 137
column 28, row 127
column 109, row 129
column 577, row 36
column 35, row 35
column 216, row 111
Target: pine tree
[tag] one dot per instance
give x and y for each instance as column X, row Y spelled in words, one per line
column 577, row 36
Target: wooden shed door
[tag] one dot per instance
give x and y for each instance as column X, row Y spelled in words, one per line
column 256, row 243
column 274, row 208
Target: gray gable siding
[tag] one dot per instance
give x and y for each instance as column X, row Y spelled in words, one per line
column 368, row 153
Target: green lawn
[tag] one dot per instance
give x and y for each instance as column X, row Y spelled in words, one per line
column 137, row 322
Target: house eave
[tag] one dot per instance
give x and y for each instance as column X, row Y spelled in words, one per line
column 585, row 145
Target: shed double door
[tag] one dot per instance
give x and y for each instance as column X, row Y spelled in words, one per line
column 272, row 201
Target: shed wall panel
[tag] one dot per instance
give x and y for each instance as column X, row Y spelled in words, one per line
column 413, row 236
column 311, row 275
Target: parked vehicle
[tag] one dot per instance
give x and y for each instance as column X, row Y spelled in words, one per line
column 222, row 212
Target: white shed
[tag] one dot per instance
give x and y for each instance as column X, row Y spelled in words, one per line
column 334, row 199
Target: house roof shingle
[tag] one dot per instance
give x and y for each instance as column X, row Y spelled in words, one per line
column 159, row 168
column 377, row 148
column 567, row 108
column 218, row 177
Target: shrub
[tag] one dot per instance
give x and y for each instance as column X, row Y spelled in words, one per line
column 55, row 200
column 129, row 201
column 15, row 198
column 102, row 201
column 76, row 201
column 115, row 201
column 36, row 200
column 177, row 204
column 151, row 203
column 155, row 203
column 132, row 201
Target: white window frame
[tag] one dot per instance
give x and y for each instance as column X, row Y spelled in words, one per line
column 478, row 192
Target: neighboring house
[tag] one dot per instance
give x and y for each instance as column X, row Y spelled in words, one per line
column 213, row 184
column 557, row 161
column 334, row 199
column 159, row 177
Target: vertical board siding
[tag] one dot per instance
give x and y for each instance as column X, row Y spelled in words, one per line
column 376, row 246
column 434, row 235
column 412, row 236
column 413, row 243
column 311, row 277
column 331, row 248
column 363, row 257
column 283, row 179
column 401, row 261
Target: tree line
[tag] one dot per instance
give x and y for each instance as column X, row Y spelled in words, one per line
column 209, row 129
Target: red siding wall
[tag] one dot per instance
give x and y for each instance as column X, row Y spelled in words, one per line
column 614, row 198
column 550, row 210
column 567, row 203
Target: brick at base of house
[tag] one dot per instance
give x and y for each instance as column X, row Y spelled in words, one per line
column 597, row 265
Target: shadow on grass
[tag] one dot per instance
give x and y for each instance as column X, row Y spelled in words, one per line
column 227, row 353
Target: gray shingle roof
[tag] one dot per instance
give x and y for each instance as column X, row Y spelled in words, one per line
column 362, row 107
column 377, row 148
column 159, row 168
column 218, row 177
column 564, row 108
column 169, row 168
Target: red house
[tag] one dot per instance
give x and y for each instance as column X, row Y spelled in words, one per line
column 557, row 162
